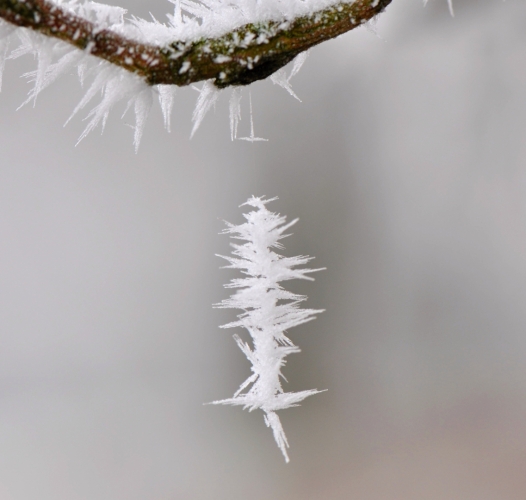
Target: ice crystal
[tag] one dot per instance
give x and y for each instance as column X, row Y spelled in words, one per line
column 269, row 311
column 208, row 95
column 281, row 78
column 166, row 100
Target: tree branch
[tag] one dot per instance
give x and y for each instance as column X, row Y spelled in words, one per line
column 240, row 57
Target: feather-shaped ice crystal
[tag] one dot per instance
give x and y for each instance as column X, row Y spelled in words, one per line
column 269, row 310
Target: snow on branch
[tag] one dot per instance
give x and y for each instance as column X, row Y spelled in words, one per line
column 269, row 311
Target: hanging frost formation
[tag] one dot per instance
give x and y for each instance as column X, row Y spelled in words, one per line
column 269, row 311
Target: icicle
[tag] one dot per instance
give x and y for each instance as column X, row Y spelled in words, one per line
column 27, row 44
column 4, row 47
column 143, row 104
column 208, row 95
column 6, row 30
column 450, row 5
column 46, row 77
column 272, row 420
column 166, row 100
column 82, row 68
column 43, row 49
column 45, row 56
column 252, row 137
column 104, row 74
column 235, row 111
column 298, row 62
column 119, row 87
column 280, row 78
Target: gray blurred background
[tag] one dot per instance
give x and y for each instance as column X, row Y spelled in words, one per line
column 405, row 163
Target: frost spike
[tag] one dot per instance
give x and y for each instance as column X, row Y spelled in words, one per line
column 143, row 104
column 208, row 95
column 235, row 112
column 166, row 100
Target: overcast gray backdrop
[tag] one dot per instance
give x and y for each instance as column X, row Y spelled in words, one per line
column 405, row 163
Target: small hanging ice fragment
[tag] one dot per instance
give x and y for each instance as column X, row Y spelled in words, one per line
column 235, row 112
column 166, row 100
column 251, row 137
column 208, row 95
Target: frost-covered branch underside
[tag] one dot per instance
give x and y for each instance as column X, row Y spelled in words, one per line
column 239, row 57
column 269, row 311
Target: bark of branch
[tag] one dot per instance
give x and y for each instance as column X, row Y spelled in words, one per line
column 249, row 53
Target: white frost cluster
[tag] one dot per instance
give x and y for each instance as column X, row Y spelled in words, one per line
column 269, row 311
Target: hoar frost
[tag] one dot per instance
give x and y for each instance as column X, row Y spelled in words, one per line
column 269, row 311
